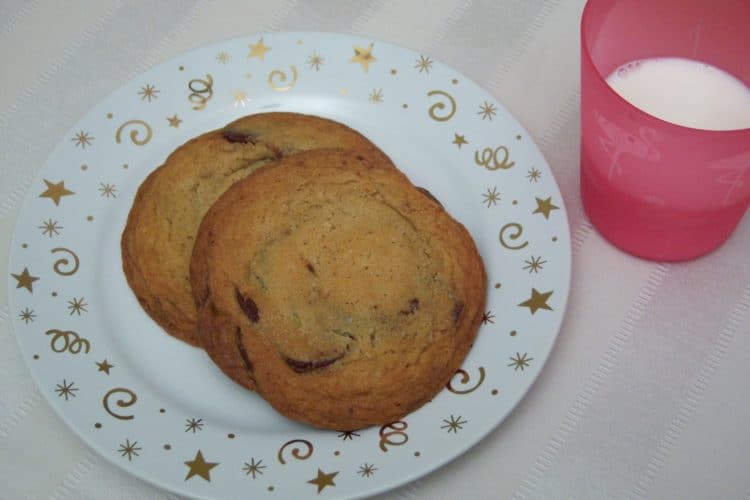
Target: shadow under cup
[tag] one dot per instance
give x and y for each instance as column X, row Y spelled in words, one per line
column 652, row 188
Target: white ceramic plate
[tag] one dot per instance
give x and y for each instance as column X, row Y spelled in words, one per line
column 159, row 408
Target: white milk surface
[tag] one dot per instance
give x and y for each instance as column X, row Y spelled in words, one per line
column 685, row 92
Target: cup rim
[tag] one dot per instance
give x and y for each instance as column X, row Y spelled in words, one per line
column 586, row 53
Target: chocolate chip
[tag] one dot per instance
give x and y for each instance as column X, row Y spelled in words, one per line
column 301, row 366
column 457, row 308
column 243, row 352
column 310, row 267
column 235, row 136
column 248, row 306
column 429, row 195
column 413, row 306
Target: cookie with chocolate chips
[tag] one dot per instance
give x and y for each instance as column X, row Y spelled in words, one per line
column 158, row 239
column 338, row 290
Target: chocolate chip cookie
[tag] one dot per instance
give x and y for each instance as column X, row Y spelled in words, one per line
column 338, row 290
column 158, row 239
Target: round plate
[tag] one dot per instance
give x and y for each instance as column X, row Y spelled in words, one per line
column 159, row 408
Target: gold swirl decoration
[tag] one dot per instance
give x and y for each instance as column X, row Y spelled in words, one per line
column 59, row 264
column 121, row 403
column 135, row 133
column 490, row 161
column 514, row 230
column 201, row 91
column 296, row 453
column 393, row 434
column 439, row 106
column 282, row 78
column 465, row 379
column 67, row 340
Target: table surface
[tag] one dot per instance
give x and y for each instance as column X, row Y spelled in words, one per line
column 644, row 395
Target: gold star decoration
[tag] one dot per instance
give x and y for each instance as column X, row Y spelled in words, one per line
column 240, row 98
column 487, row 110
column 199, row 467
column 459, row 140
column 544, row 207
column 149, row 92
column 82, row 139
column 363, row 57
column 491, row 197
column 376, row 96
column 454, row 424
column 27, row 315
column 537, row 301
column 520, row 362
column 77, row 306
column 423, row 64
column 534, row 264
column 315, row 61
column 50, row 227
column 533, row 174
column 66, row 390
column 488, row 317
column 323, row 480
column 367, row 470
column 55, row 191
column 107, row 190
column 104, row 366
column 129, row 449
column 193, row 424
column 25, row 280
column 254, row 467
column 344, row 435
column 174, row 121
column 258, row 50
column 223, row 57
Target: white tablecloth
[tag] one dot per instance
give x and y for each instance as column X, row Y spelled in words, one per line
column 645, row 394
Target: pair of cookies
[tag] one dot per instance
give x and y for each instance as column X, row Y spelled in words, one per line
column 158, row 239
column 324, row 280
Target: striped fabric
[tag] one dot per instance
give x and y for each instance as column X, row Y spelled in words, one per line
column 645, row 394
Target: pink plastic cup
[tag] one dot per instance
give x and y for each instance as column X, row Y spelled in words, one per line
column 654, row 189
